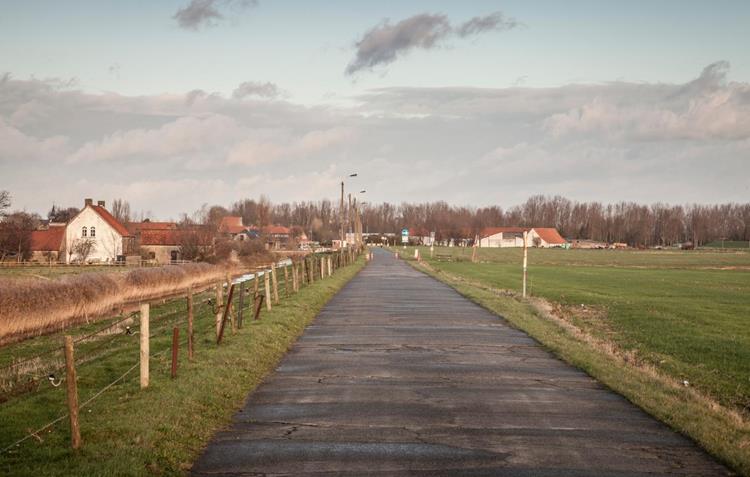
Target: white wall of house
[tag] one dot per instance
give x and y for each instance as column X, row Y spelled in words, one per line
column 108, row 242
column 502, row 240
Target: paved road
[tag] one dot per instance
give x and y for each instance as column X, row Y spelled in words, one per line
column 400, row 375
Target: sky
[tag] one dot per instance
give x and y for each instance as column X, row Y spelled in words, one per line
column 173, row 104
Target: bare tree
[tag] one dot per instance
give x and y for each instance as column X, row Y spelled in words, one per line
column 4, row 202
column 121, row 210
column 82, row 249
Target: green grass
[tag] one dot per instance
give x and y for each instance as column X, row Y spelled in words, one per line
column 160, row 430
column 731, row 244
column 683, row 313
column 41, row 271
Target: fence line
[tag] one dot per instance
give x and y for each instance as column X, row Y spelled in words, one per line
column 325, row 263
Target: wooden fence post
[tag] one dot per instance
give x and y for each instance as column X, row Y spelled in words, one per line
column 322, row 267
column 227, row 311
column 219, row 306
column 256, row 287
column 267, row 283
column 241, row 304
column 330, row 266
column 275, row 283
column 175, row 350
column 303, row 272
column 286, row 280
column 72, row 391
column 144, row 344
column 312, row 270
column 190, row 332
column 295, row 284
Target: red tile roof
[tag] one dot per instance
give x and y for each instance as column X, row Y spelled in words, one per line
column 160, row 237
column 107, row 217
column 47, row 240
column 135, row 227
column 231, row 225
column 550, row 235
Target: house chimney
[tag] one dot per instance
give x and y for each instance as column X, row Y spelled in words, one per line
column 100, row 203
column 88, row 202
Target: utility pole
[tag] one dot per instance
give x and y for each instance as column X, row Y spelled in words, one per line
column 525, row 260
column 341, row 212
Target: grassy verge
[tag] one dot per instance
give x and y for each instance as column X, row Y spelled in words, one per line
column 722, row 430
column 159, row 430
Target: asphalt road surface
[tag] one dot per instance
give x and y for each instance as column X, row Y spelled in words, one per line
column 400, row 375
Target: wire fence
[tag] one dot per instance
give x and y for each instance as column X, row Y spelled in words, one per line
column 117, row 337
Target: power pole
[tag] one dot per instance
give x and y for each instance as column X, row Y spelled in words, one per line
column 341, row 212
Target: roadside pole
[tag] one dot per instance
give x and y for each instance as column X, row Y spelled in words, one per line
column 525, row 260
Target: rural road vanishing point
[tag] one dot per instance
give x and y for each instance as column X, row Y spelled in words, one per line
column 401, row 375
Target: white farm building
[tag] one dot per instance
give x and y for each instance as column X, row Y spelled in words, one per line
column 499, row 237
column 107, row 238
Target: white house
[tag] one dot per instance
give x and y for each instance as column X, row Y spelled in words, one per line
column 95, row 228
column 543, row 237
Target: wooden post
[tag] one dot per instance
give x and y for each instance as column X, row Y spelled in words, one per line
column 144, row 345
column 256, row 287
column 241, row 304
column 322, row 267
column 230, row 309
column 267, row 283
column 219, row 306
column 303, row 272
column 275, row 283
column 312, row 270
column 227, row 310
column 286, row 281
column 175, row 349
column 295, row 278
column 190, row 332
column 258, row 306
column 330, row 266
column 72, row 391
column 525, row 255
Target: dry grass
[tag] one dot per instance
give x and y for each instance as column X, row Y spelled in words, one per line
column 35, row 306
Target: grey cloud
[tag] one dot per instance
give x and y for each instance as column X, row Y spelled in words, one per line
column 201, row 13
column 253, row 88
column 384, row 43
column 610, row 141
column 493, row 22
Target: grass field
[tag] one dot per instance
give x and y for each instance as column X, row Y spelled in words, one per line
column 160, row 430
column 41, row 271
column 683, row 314
column 730, row 244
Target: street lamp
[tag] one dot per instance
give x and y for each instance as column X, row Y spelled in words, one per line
column 341, row 208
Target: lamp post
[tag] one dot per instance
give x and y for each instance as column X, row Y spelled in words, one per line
column 341, row 209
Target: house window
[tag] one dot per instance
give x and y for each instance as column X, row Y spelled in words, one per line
column 83, row 232
column 93, row 232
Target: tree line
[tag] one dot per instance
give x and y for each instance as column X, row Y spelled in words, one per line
column 658, row 224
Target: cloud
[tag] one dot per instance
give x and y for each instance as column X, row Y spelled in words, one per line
column 384, row 43
column 684, row 142
column 253, row 88
column 202, row 13
column 493, row 22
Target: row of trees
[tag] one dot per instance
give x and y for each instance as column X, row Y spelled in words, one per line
column 628, row 222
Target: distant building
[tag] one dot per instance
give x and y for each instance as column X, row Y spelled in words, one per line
column 47, row 244
column 501, row 237
column 157, row 241
column 109, row 240
column 233, row 227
